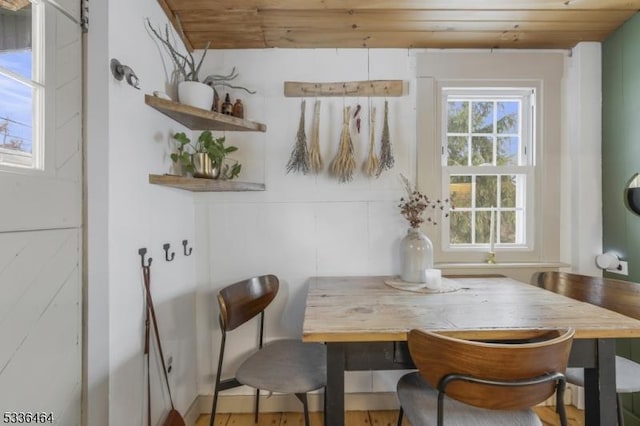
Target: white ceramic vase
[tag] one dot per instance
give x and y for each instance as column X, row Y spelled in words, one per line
column 195, row 94
column 417, row 256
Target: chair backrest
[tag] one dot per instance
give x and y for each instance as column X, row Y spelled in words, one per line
column 437, row 356
column 616, row 295
column 241, row 301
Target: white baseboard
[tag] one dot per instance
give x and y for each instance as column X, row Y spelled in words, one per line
column 193, row 412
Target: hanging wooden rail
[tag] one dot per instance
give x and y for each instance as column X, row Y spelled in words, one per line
column 297, row 89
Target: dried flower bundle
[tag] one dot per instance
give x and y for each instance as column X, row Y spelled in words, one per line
column 299, row 160
column 344, row 163
column 386, row 156
column 416, row 203
column 315, row 159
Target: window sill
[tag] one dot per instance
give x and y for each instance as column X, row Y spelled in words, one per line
column 502, row 265
column 520, row 271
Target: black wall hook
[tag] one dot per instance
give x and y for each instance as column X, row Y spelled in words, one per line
column 166, row 252
column 184, row 245
column 143, row 252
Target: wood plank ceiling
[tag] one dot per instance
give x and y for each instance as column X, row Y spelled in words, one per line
column 242, row 24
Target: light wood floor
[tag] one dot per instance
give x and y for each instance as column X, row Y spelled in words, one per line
column 362, row 418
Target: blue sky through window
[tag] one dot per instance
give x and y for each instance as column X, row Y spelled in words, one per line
column 16, row 100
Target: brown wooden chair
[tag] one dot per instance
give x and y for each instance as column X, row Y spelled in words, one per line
column 616, row 295
column 283, row 366
column 483, row 383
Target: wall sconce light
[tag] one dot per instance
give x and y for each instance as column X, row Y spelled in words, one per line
column 632, row 194
column 120, row 71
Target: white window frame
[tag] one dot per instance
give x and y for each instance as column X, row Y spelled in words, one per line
column 526, row 133
column 37, row 85
column 542, row 70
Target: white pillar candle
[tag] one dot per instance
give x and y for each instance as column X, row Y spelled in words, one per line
column 434, row 279
column 491, row 228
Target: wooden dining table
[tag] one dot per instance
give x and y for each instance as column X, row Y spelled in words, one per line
column 364, row 323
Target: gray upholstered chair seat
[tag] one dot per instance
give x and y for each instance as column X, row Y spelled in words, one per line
column 283, row 366
column 286, row 366
column 627, row 376
column 420, row 403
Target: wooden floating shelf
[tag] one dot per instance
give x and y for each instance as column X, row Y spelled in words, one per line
column 370, row 88
column 201, row 119
column 204, row 185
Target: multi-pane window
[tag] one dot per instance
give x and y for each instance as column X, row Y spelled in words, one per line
column 487, row 165
column 21, row 85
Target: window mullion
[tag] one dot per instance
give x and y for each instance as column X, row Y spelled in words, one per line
column 19, row 78
column 469, row 138
column 473, row 209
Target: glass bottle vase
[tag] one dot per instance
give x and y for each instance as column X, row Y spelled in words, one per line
column 416, row 251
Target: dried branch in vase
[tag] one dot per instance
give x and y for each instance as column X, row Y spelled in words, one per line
column 185, row 64
column 413, row 207
column 299, row 160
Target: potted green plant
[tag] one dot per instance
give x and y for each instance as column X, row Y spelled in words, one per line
column 207, row 158
column 182, row 157
column 218, row 152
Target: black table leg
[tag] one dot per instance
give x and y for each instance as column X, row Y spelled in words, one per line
column 334, row 392
column 600, row 386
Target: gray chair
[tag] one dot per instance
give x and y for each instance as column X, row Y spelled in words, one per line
column 616, row 295
column 627, row 380
column 478, row 383
column 283, row 366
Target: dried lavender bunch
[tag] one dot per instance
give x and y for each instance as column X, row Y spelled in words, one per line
column 386, row 156
column 416, row 203
column 299, row 160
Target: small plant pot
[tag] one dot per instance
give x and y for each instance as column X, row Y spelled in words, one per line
column 203, row 167
column 195, row 94
column 177, row 169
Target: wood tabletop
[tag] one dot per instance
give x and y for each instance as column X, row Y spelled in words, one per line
column 360, row 309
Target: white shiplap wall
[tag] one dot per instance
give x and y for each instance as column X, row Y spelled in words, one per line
column 302, row 226
column 40, row 249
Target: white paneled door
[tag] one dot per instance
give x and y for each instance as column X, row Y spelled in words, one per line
column 41, row 227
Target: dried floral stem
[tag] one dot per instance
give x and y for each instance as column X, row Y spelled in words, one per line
column 356, row 117
column 299, row 160
column 414, row 205
column 370, row 166
column 344, row 164
column 386, row 156
column 315, row 158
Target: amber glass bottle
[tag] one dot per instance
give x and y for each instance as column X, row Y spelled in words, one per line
column 227, row 106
